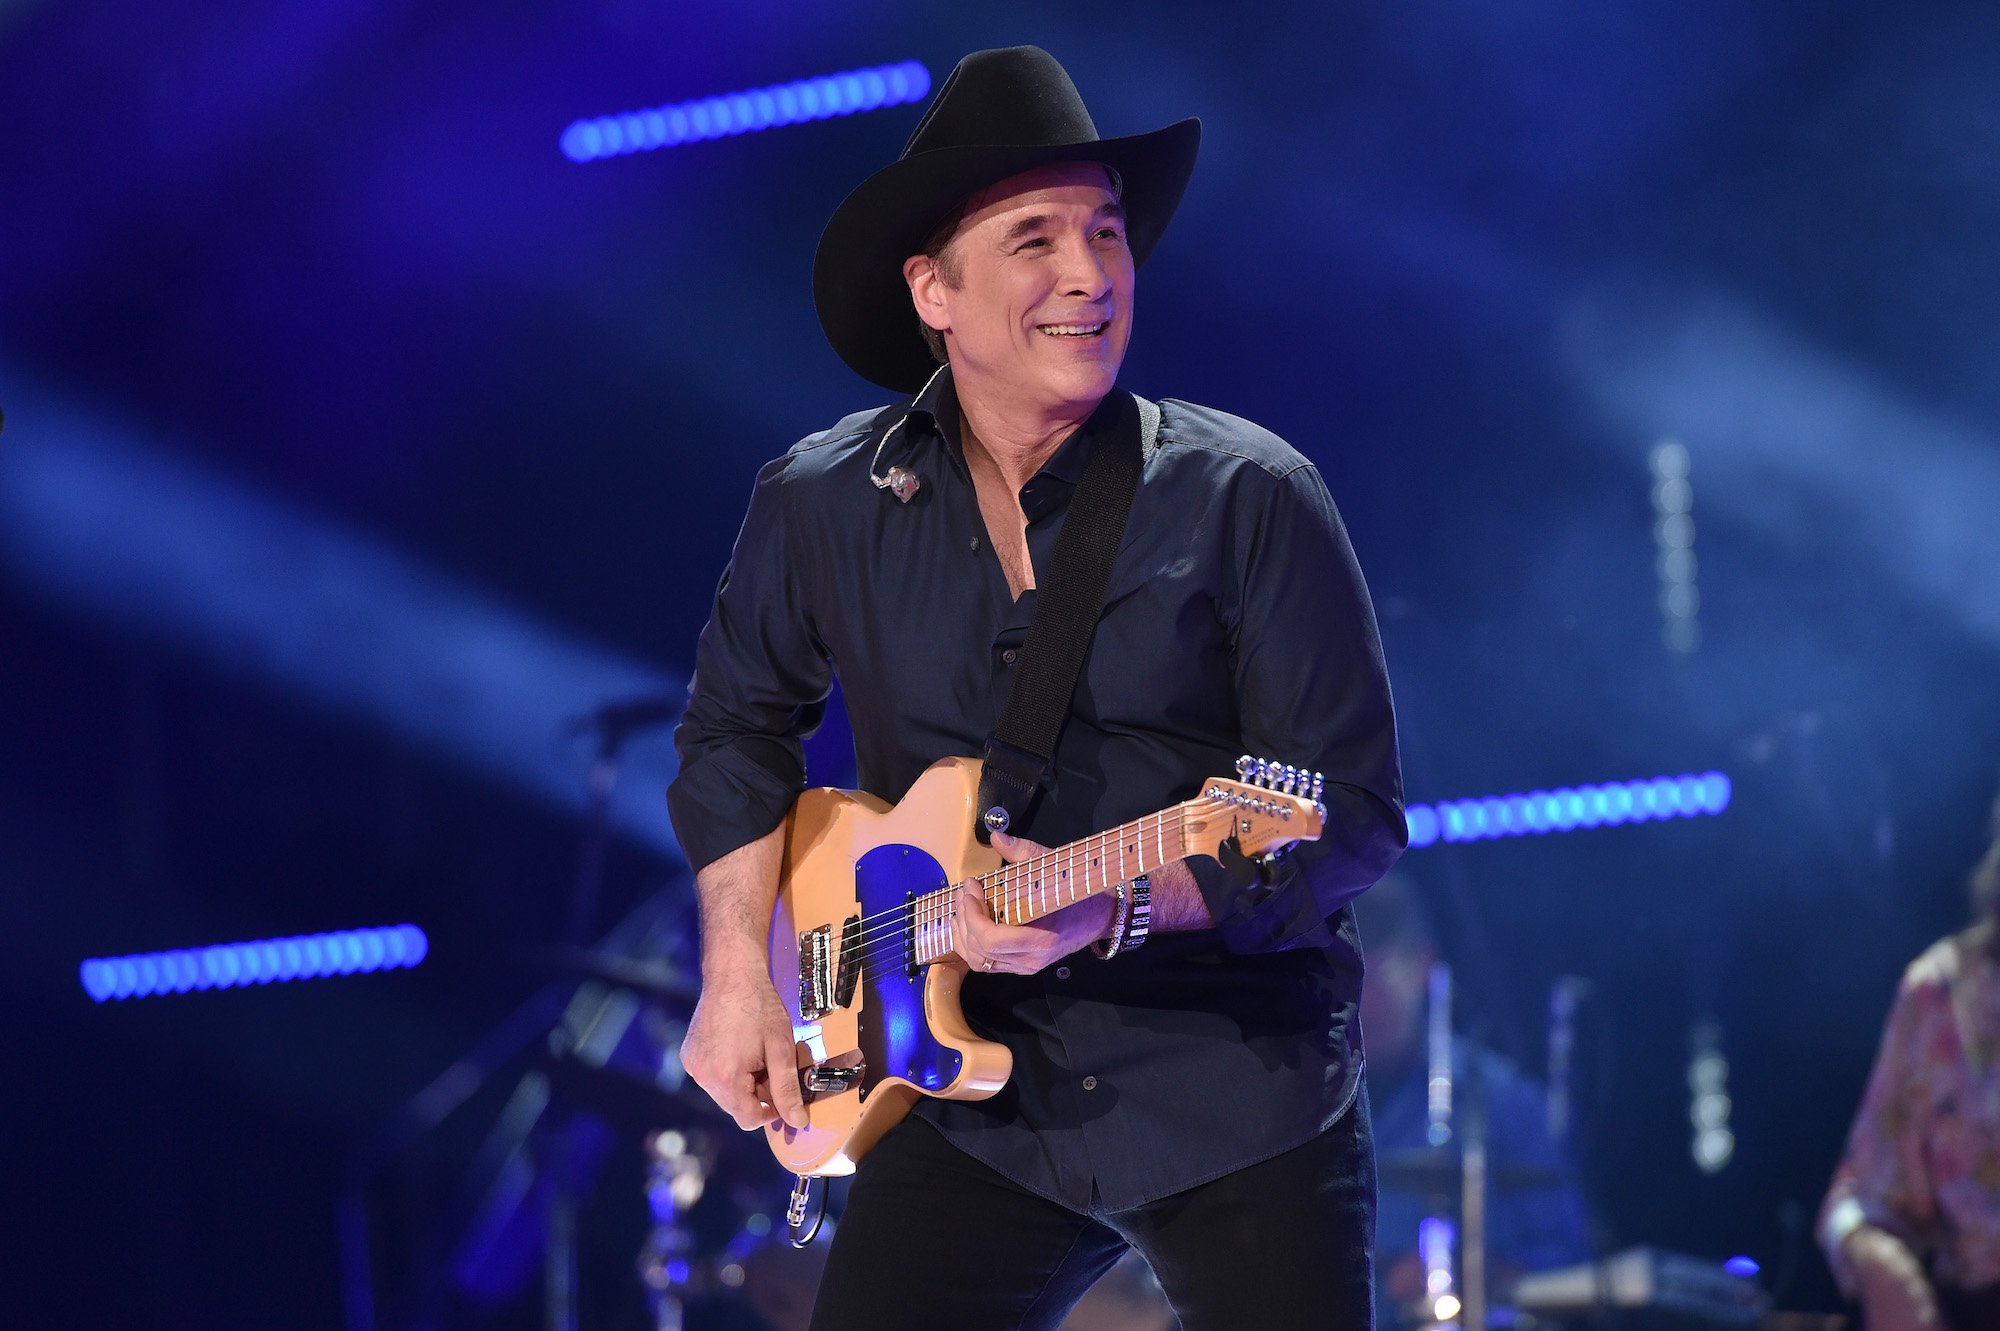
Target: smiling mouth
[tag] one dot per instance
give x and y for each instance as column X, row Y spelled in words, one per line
column 1073, row 330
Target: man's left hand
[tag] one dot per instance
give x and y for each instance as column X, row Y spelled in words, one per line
column 1023, row 949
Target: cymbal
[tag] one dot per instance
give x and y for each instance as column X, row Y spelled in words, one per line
column 1441, row 1170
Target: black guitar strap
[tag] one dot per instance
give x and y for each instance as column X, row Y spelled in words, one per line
column 1068, row 602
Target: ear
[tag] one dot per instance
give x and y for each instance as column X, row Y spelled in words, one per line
column 927, row 291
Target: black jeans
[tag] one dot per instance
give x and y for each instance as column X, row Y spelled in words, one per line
column 932, row 1238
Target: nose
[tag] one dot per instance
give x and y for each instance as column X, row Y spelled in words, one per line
column 1084, row 274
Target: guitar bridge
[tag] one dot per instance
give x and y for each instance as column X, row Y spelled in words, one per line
column 815, row 973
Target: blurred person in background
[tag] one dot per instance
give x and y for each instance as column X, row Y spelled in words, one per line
column 1911, row 1225
column 1536, row 1217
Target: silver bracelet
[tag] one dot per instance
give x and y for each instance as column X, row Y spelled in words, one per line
column 1121, row 914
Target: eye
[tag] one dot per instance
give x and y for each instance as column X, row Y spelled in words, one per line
column 1039, row 242
column 1110, row 233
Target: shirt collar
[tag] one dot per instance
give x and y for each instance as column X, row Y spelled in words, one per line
column 936, row 406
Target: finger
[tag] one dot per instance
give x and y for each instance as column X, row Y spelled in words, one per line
column 744, row 1103
column 1014, row 848
column 781, row 1056
column 734, row 1094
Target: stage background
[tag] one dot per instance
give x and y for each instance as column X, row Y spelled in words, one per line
column 358, row 441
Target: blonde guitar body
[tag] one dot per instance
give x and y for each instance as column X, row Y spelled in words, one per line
column 829, row 834
column 862, row 934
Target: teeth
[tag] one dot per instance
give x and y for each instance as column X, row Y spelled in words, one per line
column 1054, row 331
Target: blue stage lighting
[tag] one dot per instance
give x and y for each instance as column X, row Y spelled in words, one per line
column 734, row 113
column 341, row 622
column 1542, row 811
column 264, row 961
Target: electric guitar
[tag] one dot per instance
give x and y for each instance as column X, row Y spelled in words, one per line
column 861, row 939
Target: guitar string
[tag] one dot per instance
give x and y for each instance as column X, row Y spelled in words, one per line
column 904, row 934
column 1012, row 881
column 900, row 928
column 933, row 912
column 903, row 925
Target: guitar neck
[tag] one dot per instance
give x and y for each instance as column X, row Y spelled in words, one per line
column 1273, row 807
column 1029, row 889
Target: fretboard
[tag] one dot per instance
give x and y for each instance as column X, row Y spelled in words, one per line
column 1029, row 889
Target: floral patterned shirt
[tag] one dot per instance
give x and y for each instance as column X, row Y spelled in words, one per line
column 1923, row 1158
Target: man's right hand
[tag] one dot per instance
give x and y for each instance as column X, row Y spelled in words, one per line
column 739, row 1049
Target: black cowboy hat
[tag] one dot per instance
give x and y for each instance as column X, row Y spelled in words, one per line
column 999, row 114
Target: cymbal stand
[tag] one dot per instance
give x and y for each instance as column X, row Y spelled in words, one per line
column 676, row 1175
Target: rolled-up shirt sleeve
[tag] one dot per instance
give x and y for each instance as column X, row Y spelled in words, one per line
column 1312, row 690
column 760, row 685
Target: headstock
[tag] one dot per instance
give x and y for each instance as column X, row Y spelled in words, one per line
column 1268, row 807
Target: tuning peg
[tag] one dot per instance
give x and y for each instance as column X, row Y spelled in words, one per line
column 1318, row 782
column 1262, row 773
column 1291, row 778
column 1243, row 767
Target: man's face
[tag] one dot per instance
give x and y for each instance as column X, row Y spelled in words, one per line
column 1034, row 291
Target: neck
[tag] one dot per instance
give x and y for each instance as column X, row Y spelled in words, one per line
column 1017, row 439
column 1028, row 889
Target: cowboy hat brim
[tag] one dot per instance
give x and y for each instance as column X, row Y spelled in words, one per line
column 858, row 287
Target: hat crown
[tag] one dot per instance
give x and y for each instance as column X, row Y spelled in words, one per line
column 1017, row 96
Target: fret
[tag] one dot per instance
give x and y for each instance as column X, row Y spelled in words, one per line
column 1026, row 890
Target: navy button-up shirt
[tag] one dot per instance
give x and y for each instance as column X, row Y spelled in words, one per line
column 1236, row 621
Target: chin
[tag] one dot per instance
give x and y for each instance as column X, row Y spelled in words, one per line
column 1085, row 383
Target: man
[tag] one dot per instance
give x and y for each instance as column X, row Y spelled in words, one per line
column 1535, row 1218
column 1196, row 1098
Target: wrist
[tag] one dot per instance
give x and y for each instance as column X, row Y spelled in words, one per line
column 1131, row 921
column 1107, row 945
column 735, row 963
column 1109, row 927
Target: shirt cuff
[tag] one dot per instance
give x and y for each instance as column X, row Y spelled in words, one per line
column 732, row 795
column 1261, row 917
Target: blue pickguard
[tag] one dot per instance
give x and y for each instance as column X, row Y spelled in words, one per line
column 895, row 1039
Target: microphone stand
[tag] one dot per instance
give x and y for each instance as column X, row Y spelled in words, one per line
column 614, row 724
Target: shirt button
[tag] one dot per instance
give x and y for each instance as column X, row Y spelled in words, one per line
column 1009, row 655
column 1062, row 972
column 975, row 545
column 1090, row 1083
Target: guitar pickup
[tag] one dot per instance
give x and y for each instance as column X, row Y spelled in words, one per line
column 834, row 1075
column 815, row 973
column 848, row 973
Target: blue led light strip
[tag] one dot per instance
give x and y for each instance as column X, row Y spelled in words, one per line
column 743, row 112
column 1564, row 810
column 265, row 961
